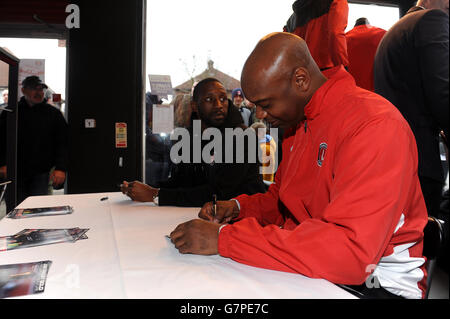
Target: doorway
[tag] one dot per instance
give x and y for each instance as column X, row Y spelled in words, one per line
column 42, row 57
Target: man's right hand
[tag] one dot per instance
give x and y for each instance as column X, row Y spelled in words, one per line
column 138, row 191
column 225, row 212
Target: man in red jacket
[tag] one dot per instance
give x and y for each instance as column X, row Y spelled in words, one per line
column 346, row 205
column 321, row 23
column 362, row 44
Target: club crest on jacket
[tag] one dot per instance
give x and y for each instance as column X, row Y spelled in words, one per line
column 322, row 151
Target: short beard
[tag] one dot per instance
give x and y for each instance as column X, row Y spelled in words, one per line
column 209, row 123
column 30, row 102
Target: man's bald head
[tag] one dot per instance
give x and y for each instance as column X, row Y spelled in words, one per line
column 277, row 55
column 281, row 68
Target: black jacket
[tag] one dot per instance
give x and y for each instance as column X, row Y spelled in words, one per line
column 42, row 139
column 411, row 71
column 307, row 10
column 194, row 184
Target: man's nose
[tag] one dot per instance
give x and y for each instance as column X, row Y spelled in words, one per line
column 260, row 113
column 217, row 103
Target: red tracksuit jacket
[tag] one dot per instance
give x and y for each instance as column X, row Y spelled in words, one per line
column 362, row 44
column 325, row 36
column 346, row 198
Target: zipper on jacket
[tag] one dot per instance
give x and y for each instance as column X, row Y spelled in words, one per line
column 306, row 125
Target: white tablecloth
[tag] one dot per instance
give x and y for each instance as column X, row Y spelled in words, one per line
column 128, row 256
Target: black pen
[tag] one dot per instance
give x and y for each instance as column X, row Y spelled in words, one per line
column 214, row 205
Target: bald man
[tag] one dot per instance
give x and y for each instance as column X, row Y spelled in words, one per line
column 346, row 204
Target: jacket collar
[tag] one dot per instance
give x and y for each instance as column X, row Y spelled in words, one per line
column 414, row 9
column 363, row 27
column 321, row 97
column 23, row 102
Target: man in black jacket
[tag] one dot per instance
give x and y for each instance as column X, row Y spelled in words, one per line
column 41, row 145
column 193, row 183
column 411, row 71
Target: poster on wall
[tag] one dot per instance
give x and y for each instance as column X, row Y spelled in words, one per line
column 163, row 119
column 121, row 135
column 29, row 67
column 161, row 85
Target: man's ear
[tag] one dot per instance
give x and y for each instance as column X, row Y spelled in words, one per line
column 302, row 79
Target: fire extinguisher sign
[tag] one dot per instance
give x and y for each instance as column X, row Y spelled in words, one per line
column 121, row 135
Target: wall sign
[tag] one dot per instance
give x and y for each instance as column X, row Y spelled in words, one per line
column 121, row 135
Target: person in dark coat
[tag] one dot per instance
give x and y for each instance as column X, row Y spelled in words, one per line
column 42, row 142
column 411, row 71
column 193, row 183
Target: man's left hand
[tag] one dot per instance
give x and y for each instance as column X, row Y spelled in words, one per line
column 57, row 178
column 197, row 236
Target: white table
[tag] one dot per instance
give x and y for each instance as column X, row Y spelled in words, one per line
column 128, row 256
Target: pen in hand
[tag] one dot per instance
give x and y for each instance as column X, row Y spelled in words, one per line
column 130, row 184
